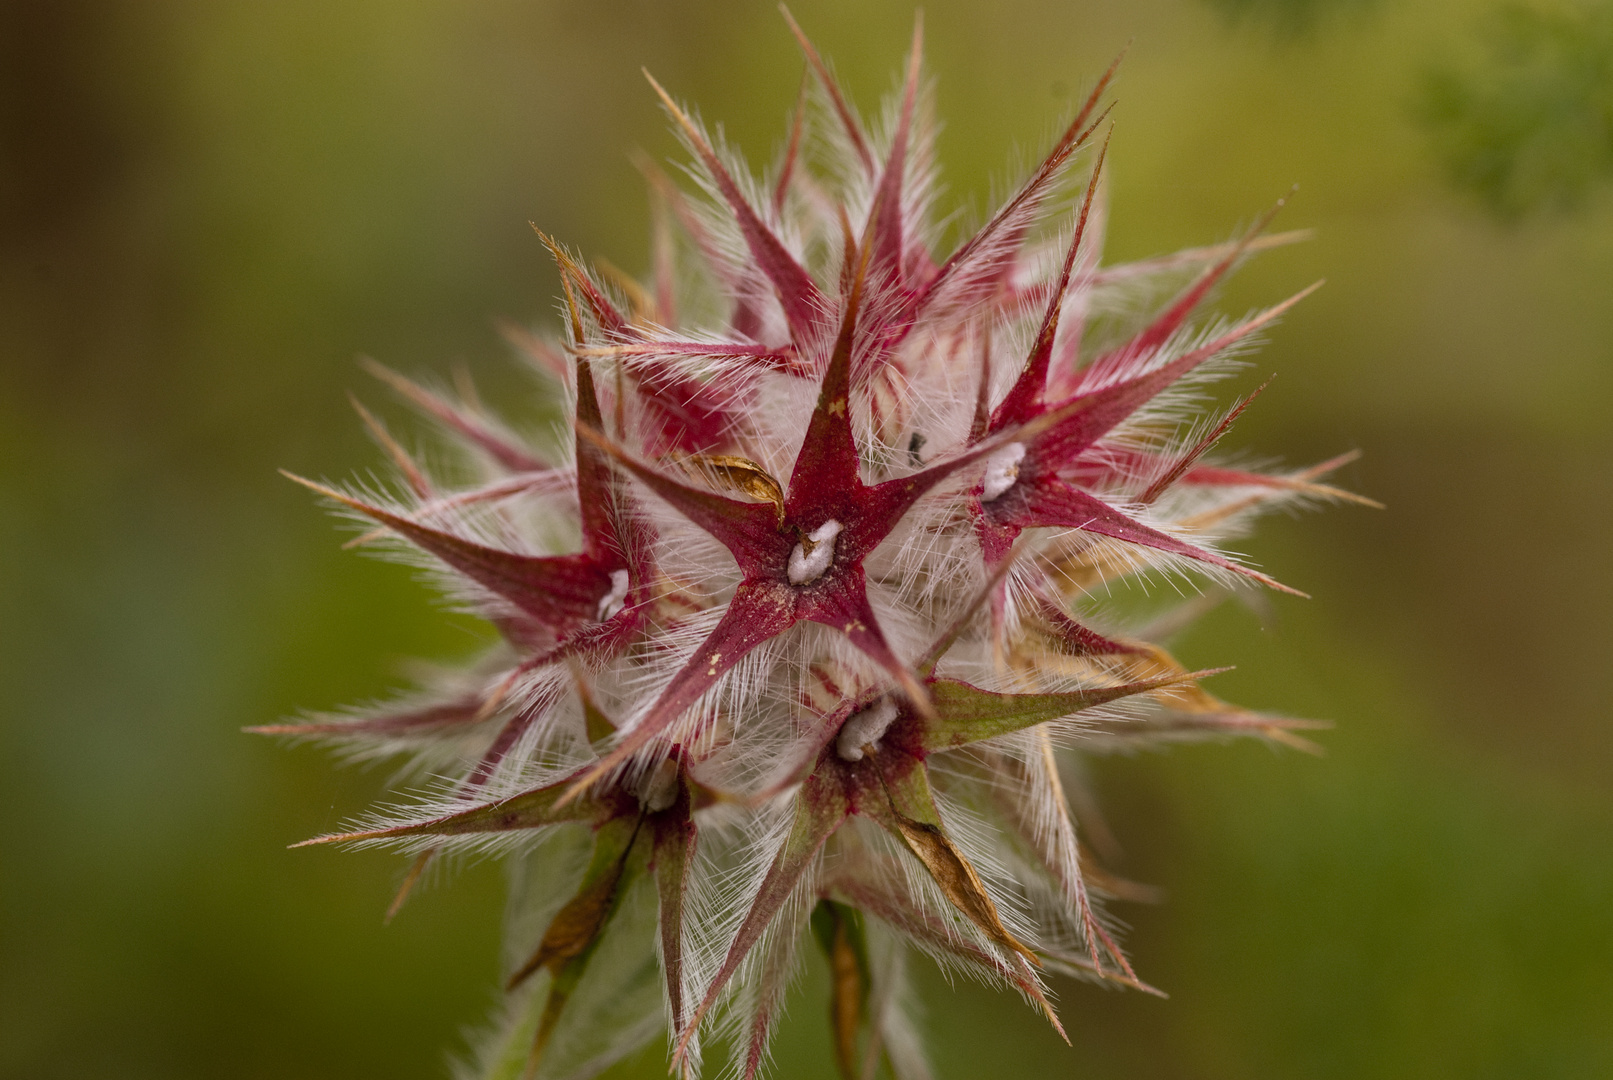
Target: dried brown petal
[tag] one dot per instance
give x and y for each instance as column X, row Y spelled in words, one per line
column 911, row 814
column 958, row 880
column 742, row 475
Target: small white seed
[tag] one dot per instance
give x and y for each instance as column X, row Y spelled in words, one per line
column 864, row 729
column 612, row 602
column 1002, row 469
column 659, row 788
column 809, row 560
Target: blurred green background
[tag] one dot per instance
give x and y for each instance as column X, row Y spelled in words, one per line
column 207, row 210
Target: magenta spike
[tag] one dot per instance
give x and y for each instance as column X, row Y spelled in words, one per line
column 612, row 322
column 848, row 120
column 1171, row 319
column 688, row 417
column 1030, row 194
column 496, row 446
column 827, row 466
column 1075, row 424
column 885, row 218
column 1053, row 503
column 756, row 613
column 1078, row 640
column 1025, row 397
column 596, row 484
column 781, row 189
column 1197, row 450
column 559, row 591
column 797, row 293
column 748, row 530
column 842, row 604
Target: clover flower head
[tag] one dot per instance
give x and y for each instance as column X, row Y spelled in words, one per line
column 807, row 617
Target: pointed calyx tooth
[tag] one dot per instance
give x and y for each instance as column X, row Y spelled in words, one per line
column 1002, row 469
column 659, row 788
column 612, row 602
column 864, row 729
column 814, row 553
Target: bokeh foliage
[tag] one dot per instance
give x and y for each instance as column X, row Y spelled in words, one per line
column 1287, row 20
column 1527, row 123
column 207, row 210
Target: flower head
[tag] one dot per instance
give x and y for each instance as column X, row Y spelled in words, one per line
column 798, row 623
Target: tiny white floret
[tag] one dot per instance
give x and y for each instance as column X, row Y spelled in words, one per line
column 1002, row 469
column 865, row 729
column 807, row 563
column 612, row 602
